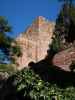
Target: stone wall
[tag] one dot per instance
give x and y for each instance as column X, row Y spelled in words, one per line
column 35, row 41
column 64, row 59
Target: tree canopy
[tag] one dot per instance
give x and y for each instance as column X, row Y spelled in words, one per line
column 65, row 22
column 6, row 41
column 64, row 33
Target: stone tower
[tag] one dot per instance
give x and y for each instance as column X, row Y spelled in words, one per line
column 34, row 41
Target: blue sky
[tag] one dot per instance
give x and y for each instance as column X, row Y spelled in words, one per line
column 21, row 13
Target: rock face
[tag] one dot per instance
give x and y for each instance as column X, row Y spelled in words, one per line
column 35, row 41
column 64, row 59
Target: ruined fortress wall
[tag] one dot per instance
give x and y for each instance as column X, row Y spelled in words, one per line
column 35, row 41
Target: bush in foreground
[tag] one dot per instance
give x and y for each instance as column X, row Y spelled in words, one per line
column 29, row 85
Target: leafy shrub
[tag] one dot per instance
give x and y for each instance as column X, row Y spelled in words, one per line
column 29, row 84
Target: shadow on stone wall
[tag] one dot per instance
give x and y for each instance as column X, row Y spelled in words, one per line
column 53, row 74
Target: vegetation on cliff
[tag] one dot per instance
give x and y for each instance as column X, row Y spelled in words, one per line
column 64, row 29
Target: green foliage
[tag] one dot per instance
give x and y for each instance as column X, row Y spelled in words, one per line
column 64, row 29
column 30, row 84
column 4, row 28
column 65, row 22
column 6, row 41
column 9, row 68
column 16, row 50
column 55, row 46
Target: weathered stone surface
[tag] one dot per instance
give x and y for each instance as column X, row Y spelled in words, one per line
column 35, row 41
column 64, row 59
